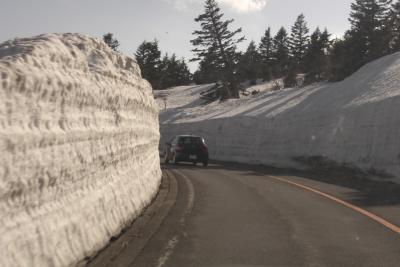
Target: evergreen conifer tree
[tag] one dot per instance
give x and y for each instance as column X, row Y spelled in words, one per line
column 249, row 64
column 342, row 59
column 216, row 42
column 207, row 71
column 395, row 27
column 298, row 42
column 280, row 53
column 148, row 57
column 162, row 71
column 371, row 36
column 290, row 79
column 173, row 72
column 368, row 33
column 316, row 59
column 111, row 41
column 266, row 57
column 185, row 76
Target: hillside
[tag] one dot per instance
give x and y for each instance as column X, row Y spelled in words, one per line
column 353, row 123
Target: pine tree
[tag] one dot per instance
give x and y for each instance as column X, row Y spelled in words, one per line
column 184, row 76
column 111, row 41
column 162, row 72
column 298, row 42
column 342, row 58
column 148, row 56
column 265, row 50
column 395, row 27
column 280, row 53
column 216, row 42
column 371, row 36
column 177, row 73
column 173, row 72
column 207, row 71
column 368, row 33
column 290, row 79
column 249, row 64
column 316, row 59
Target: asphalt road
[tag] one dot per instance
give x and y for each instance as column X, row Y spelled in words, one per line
column 236, row 215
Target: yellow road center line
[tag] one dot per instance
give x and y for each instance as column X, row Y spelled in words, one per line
column 370, row 215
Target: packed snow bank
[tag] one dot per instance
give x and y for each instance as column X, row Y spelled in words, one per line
column 355, row 123
column 78, row 136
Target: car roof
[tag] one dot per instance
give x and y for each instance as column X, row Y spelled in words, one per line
column 189, row 136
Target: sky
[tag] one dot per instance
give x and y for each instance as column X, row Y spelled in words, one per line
column 169, row 21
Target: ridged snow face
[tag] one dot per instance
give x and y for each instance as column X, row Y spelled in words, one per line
column 79, row 141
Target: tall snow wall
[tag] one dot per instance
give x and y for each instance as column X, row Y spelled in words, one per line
column 78, row 138
column 354, row 123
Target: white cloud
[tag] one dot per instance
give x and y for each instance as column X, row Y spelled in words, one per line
column 182, row 4
column 244, row 6
column 240, row 6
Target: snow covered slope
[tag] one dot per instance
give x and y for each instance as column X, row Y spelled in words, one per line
column 78, row 138
column 355, row 123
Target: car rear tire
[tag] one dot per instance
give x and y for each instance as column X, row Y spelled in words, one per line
column 166, row 160
column 174, row 159
column 205, row 164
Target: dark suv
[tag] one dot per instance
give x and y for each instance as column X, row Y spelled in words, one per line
column 186, row 148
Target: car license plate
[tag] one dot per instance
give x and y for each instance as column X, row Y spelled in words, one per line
column 193, row 157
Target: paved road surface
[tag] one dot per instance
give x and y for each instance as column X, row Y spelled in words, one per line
column 228, row 215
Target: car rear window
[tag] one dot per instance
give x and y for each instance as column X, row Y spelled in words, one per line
column 190, row 140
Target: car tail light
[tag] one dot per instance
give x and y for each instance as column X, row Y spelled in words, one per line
column 178, row 148
column 204, row 147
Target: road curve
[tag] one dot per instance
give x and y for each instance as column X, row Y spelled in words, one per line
column 228, row 215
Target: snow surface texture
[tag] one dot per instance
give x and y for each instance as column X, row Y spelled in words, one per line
column 78, row 137
column 353, row 123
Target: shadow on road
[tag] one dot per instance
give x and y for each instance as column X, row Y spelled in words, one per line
column 368, row 193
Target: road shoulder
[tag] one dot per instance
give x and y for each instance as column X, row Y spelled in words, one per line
column 124, row 250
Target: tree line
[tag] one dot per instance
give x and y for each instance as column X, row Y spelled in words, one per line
column 164, row 72
column 161, row 71
column 374, row 32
